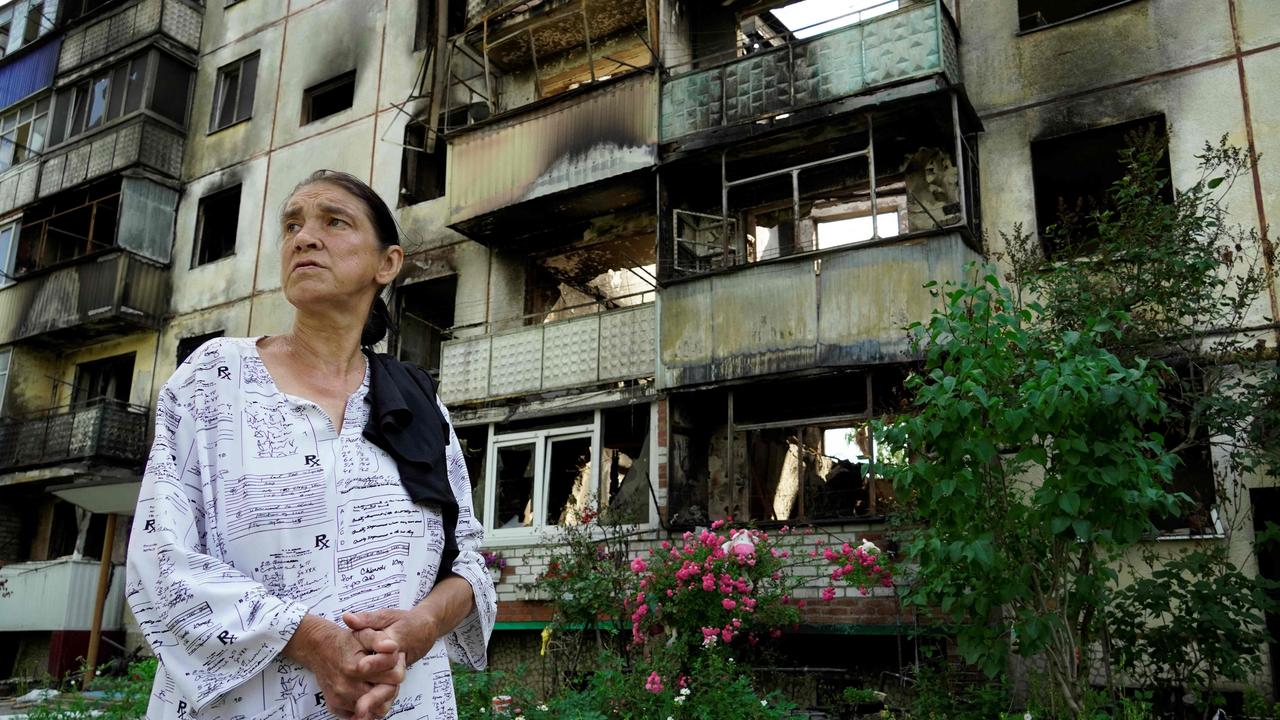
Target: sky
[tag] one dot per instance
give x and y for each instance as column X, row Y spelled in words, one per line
column 811, row 17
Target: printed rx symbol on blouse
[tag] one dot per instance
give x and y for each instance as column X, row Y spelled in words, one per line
column 312, row 461
column 322, row 542
column 224, row 372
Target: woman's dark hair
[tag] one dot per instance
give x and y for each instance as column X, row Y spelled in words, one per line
column 388, row 234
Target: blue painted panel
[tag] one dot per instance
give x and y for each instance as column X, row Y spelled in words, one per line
column 28, row 73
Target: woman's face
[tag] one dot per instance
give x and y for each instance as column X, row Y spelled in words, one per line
column 330, row 255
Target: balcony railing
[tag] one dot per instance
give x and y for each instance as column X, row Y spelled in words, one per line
column 139, row 140
column 839, row 307
column 56, row 595
column 582, row 351
column 915, row 41
column 102, row 430
column 177, row 19
column 113, row 292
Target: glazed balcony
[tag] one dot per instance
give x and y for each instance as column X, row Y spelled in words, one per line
column 582, row 351
column 177, row 20
column 842, row 307
column 916, row 42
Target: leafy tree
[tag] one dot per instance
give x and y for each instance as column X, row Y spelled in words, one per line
column 1056, row 404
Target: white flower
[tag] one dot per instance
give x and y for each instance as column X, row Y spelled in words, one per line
column 764, row 703
column 739, row 543
column 684, row 691
column 869, row 547
column 542, row 708
column 680, row 700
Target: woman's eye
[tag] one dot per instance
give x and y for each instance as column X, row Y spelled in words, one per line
column 338, row 221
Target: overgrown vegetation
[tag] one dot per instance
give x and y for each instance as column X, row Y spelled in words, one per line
column 1056, row 419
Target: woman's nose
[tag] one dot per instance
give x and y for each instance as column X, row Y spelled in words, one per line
column 305, row 239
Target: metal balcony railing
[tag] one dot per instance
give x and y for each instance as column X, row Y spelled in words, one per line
column 917, row 40
column 103, row 430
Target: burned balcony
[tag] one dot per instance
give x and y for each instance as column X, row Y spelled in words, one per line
column 91, row 263
column 99, row 431
column 784, row 77
column 562, row 164
column 105, row 294
column 99, row 35
column 580, row 351
column 843, row 307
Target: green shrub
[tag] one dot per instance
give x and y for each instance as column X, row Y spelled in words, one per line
column 123, row 698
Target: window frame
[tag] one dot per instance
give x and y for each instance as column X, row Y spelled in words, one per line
column 1109, row 6
column 542, row 438
column 9, row 153
column 309, row 94
column 238, row 114
column 7, row 354
column 198, row 239
column 14, row 227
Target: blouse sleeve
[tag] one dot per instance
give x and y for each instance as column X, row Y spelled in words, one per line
column 468, row 643
column 212, row 627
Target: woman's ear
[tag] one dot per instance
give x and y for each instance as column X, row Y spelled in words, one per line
column 389, row 269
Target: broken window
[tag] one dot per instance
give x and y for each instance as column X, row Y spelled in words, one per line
column 603, row 275
column 173, row 82
column 188, row 345
column 118, row 91
column 1193, row 474
column 426, row 315
column 35, row 19
column 1034, row 14
column 329, row 97
column 817, row 196
column 474, row 443
column 422, row 172
column 424, row 32
column 234, row 92
column 68, row 225
column 546, row 473
column 624, row 464
column 8, row 246
column 786, row 451
column 216, row 223
column 1073, row 174
column 106, row 380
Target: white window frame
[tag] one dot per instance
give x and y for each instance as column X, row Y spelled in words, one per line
column 7, row 259
column 542, row 439
column 7, row 353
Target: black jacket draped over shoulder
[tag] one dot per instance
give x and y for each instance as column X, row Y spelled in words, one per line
column 406, row 422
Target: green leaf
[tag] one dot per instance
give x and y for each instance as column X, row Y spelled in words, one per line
column 1069, row 502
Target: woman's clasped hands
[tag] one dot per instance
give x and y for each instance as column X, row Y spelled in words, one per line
column 360, row 667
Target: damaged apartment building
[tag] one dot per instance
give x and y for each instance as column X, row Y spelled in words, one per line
column 660, row 253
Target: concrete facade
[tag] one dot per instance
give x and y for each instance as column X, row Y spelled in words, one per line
column 742, row 295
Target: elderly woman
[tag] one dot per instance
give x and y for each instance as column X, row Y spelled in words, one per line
column 304, row 543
